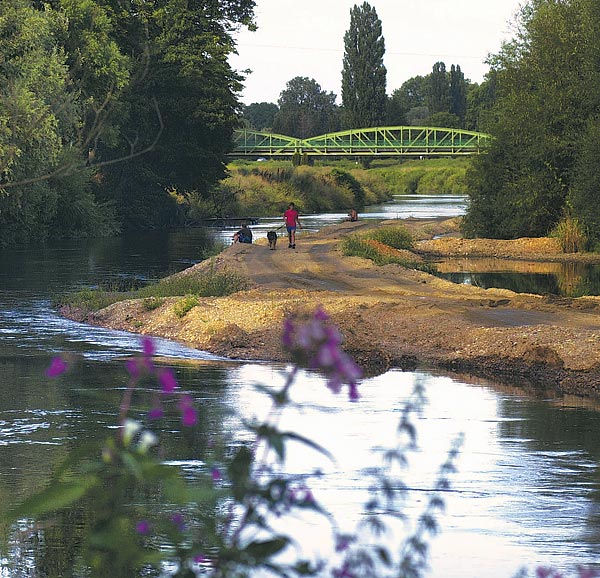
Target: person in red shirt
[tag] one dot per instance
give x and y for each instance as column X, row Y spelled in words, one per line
column 290, row 218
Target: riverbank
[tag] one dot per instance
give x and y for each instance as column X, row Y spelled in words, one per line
column 390, row 316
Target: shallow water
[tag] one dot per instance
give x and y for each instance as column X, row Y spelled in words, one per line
column 564, row 279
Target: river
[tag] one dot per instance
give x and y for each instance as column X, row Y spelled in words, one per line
column 527, row 489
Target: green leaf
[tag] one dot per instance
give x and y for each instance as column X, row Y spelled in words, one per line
column 275, row 440
column 239, row 471
column 239, row 468
column 279, row 397
column 260, row 551
column 384, row 556
column 57, row 496
column 132, row 465
column 309, row 443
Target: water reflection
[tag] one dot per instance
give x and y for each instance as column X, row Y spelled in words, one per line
column 508, row 480
column 564, row 279
column 526, row 491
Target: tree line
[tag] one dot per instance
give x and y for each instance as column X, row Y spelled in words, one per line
column 113, row 113
column 442, row 98
column 541, row 172
column 118, row 114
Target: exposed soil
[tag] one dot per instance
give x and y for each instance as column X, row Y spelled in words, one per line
column 391, row 316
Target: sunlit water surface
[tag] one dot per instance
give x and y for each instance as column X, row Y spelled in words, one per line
column 526, row 489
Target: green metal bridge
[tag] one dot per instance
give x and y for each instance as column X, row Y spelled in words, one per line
column 390, row 141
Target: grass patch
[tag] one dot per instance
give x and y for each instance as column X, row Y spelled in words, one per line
column 396, row 237
column 89, row 299
column 210, row 284
column 378, row 245
column 362, row 245
column 183, row 306
column 152, row 303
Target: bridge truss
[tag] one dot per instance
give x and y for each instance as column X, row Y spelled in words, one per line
column 374, row 142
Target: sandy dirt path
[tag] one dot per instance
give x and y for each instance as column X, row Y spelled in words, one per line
column 390, row 316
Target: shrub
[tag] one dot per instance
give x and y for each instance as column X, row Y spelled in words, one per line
column 344, row 179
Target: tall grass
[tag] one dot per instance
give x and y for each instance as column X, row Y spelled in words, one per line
column 396, row 237
column 267, row 188
column 358, row 245
column 211, row 283
column 571, row 235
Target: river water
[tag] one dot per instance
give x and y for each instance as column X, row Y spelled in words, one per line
column 527, row 489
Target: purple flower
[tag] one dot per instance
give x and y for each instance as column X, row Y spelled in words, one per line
column 156, row 413
column 167, row 380
column 143, row 527
column 148, row 347
column 317, row 345
column 343, row 541
column 545, row 572
column 189, row 417
column 343, row 572
column 215, row 474
column 320, row 314
column 301, row 495
column 133, row 368
column 57, row 367
column 178, row 520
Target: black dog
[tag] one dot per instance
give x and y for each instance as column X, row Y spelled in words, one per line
column 272, row 237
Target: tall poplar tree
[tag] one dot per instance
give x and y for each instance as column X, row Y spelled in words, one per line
column 438, row 97
column 364, row 75
column 458, row 93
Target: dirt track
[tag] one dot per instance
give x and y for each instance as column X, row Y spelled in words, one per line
column 391, row 316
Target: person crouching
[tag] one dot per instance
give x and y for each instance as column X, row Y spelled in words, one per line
column 244, row 235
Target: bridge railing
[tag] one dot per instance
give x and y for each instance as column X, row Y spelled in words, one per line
column 378, row 141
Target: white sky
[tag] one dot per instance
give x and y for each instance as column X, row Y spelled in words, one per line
column 306, row 38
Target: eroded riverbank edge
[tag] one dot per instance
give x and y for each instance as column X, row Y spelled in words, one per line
column 390, row 316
